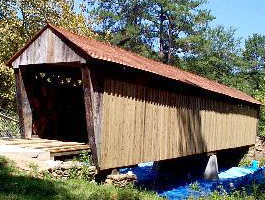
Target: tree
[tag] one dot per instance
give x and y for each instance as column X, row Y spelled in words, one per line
column 7, row 89
column 178, row 25
column 254, row 55
column 170, row 27
column 125, row 21
column 219, row 57
column 260, row 95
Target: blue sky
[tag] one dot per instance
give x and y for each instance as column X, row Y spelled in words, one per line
column 247, row 16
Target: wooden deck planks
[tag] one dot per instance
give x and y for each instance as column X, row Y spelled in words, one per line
column 55, row 147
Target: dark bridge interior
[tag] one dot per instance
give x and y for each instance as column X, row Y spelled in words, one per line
column 57, row 104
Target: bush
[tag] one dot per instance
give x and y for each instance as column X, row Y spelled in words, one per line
column 245, row 162
column 7, row 89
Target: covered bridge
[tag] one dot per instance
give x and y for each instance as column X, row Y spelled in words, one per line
column 129, row 109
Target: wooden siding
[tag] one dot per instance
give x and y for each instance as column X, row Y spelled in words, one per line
column 143, row 124
column 48, row 48
column 88, row 93
column 23, row 106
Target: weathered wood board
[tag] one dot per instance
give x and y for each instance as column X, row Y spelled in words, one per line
column 47, row 48
column 143, row 124
column 54, row 147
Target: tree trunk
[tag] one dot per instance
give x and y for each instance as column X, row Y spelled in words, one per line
column 161, row 31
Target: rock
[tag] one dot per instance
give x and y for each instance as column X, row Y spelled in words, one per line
column 54, row 174
column 58, row 172
column 132, row 176
column 122, row 177
column 66, row 165
column 108, row 181
column 109, row 176
column 115, row 177
column 71, row 164
column 121, row 180
column 92, row 168
column 63, row 170
column 66, row 173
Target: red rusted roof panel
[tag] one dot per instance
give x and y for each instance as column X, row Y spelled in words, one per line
column 107, row 52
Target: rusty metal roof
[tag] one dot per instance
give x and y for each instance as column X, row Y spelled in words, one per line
column 102, row 51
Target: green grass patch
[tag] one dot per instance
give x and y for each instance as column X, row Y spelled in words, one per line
column 17, row 185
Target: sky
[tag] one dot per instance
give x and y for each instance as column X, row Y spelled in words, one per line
column 247, row 16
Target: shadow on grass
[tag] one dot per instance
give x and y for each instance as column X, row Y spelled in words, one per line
column 16, row 185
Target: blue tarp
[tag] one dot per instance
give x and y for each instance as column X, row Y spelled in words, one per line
column 162, row 183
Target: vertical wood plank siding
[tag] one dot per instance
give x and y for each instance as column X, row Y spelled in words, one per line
column 143, row 124
column 89, row 107
column 47, row 48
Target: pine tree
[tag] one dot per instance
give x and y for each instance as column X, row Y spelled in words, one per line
column 170, row 27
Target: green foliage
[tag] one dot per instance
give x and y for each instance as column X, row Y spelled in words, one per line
column 34, row 169
column 252, row 192
column 260, row 95
column 218, row 57
column 178, row 25
column 262, row 162
column 125, row 22
column 237, row 195
column 141, row 26
column 254, row 54
column 82, row 174
column 195, row 186
column 6, row 166
column 7, row 89
column 245, row 162
column 18, row 185
column 85, row 157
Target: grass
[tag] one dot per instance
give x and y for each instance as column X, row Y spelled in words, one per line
column 251, row 192
column 18, row 185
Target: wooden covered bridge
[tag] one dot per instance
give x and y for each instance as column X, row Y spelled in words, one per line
column 129, row 109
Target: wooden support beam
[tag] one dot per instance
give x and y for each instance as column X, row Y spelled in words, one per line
column 23, row 106
column 97, row 80
column 88, row 96
column 53, row 66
